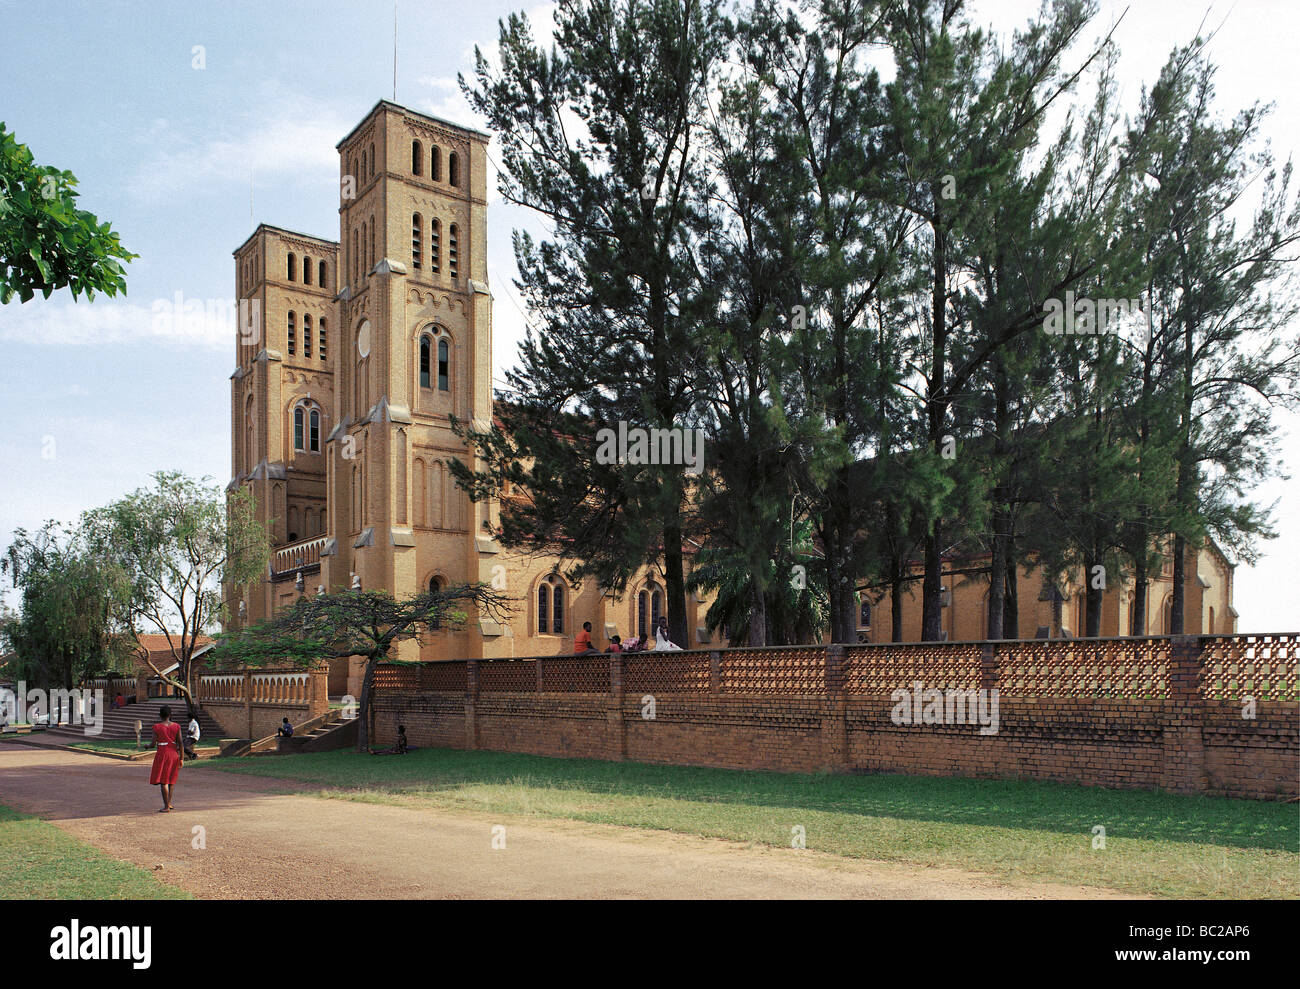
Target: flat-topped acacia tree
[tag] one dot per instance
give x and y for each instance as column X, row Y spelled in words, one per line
column 356, row 623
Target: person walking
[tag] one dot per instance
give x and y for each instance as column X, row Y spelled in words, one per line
column 167, row 760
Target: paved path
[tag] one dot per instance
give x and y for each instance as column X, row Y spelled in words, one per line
column 267, row 838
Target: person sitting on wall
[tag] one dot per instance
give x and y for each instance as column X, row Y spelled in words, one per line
column 634, row 644
column 285, row 730
column 582, row 641
column 663, row 643
column 615, row 645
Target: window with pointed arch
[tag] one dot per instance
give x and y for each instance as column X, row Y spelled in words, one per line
column 306, row 270
column 550, row 605
column 435, row 163
column 649, row 605
column 444, row 364
column 417, row 158
column 864, row 613
column 293, row 267
column 321, row 280
column 453, row 169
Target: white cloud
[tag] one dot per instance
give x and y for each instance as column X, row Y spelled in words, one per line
column 288, row 137
column 174, row 322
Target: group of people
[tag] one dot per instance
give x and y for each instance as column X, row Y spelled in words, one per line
column 658, row 642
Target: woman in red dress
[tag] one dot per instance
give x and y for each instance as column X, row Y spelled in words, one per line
column 167, row 760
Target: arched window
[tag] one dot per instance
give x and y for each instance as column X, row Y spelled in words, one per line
column 321, row 281
column 299, row 428
column 642, row 600
column 435, row 163
column 417, row 239
column 864, row 614
column 453, row 169
column 306, row 270
column 313, row 431
column 444, row 365
column 293, row 267
column 372, row 160
column 452, row 251
column 435, row 246
column 426, row 345
column 373, row 256
column 306, row 335
column 356, row 257
column 365, row 268
column 417, row 158
column 293, row 342
column 557, row 608
column 321, row 348
column 550, row 606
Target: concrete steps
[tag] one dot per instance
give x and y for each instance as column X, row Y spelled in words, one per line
column 120, row 722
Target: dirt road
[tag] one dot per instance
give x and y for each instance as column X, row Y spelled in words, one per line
column 268, row 838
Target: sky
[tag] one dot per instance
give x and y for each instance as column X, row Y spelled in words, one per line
column 188, row 124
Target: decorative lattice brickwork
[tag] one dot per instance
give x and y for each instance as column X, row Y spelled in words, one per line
column 394, row 677
column 882, row 669
column 772, row 671
column 576, row 674
column 507, row 675
column 1121, row 668
column 444, row 676
column 666, row 673
column 1259, row 666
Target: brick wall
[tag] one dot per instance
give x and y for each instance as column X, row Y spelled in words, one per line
column 1161, row 712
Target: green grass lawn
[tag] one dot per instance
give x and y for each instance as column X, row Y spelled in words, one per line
column 1156, row 843
column 109, row 745
column 40, row 862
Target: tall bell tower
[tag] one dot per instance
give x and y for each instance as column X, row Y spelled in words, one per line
column 282, row 389
column 415, row 349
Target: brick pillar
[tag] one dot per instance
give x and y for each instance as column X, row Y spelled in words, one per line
column 141, row 688
column 835, row 728
column 248, row 705
column 1183, row 718
column 617, row 729
column 471, row 703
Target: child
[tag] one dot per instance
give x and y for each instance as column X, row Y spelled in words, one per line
column 615, row 645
